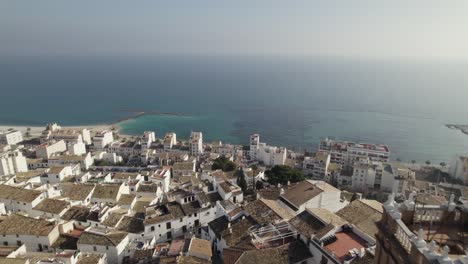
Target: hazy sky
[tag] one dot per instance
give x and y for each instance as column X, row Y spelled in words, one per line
column 363, row 28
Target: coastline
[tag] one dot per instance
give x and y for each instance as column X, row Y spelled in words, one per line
column 36, row 131
column 462, row 128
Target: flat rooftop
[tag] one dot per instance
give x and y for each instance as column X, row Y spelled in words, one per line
column 344, row 243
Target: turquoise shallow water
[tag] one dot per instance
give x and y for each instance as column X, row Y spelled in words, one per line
column 290, row 101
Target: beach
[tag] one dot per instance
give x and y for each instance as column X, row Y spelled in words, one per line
column 35, row 131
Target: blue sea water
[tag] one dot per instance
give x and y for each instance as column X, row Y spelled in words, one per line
column 290, row 101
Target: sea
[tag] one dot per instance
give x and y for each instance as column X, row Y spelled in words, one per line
column 290, row 101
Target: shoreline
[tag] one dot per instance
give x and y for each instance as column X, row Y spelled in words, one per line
column 36, row 130
column 461, row 128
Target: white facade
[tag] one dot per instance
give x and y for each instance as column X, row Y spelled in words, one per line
column 11, row 137
column 102, row 139
column 78, row 148
column 347, row 153
column 170, row 139
column 196, row 143
column 114, row 253
column 459, row 168
column 109, row 157
column 317, row 166
column 12, row 162
column 269, row 155
column 45, row 150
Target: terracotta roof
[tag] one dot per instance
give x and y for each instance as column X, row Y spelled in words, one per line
column 126, row 199
column 18, row 194
column 294, row 252
column 76, row 192
column 301, row 192
column 327, row 216
column 78, row 213
column 131, row 224
column 361, row 215
column 307, row 224
column 106, row 192
column 261, row 213
column 200, row 246
column 87, row 258
column 51, row 206
column 110, row 239
column 22, row 225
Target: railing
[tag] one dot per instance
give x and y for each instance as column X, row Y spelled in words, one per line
column 404, row 235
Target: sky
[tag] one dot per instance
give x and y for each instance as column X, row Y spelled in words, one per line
column 357, row 28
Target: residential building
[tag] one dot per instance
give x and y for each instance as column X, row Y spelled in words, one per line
column 170, row 139
column 11, row 137
column 35, row 234
column 46, row 150
column 268, row 155
column 459, row 168
column 317, row 166
column 12, row 162
column 196, row 143
column 311, row 194
column 102, row 139
column 346, row 153
column 98, row 241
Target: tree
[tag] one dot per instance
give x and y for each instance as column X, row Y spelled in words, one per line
column 398, row 159
column 413, row 161
column 443, row 164
column 354, row 197
column 224, row 164
column 241, row 181
column 283, row 173
column 428, row 162
column 259, row 185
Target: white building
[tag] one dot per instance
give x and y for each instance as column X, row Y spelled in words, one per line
column 170, row 139
column 196, row 143
column 35, row 234
column 268, row 155
column 57, row 133
column 102, row 139
column 459, row 168
column 57, row 174
column 11, row 137
column 148, row 138
column 45, row 150
column 19, row 199
column 377, row 176
column 112, row 244
column 346, row 153
column 109, row 157
column 12, row 162
column 78, row 148
column 317, row 166
column 311, row 194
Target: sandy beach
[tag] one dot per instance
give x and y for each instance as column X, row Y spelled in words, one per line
column 36, row 131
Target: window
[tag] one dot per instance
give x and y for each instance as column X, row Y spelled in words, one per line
column 94, row 248
column 195, row 214
column 18, row 243
column 107, row 247
column 152, row 228
column 184, row 229
column 181, row 219
column 169, row 235
column 5, row 243
column 168, row 225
